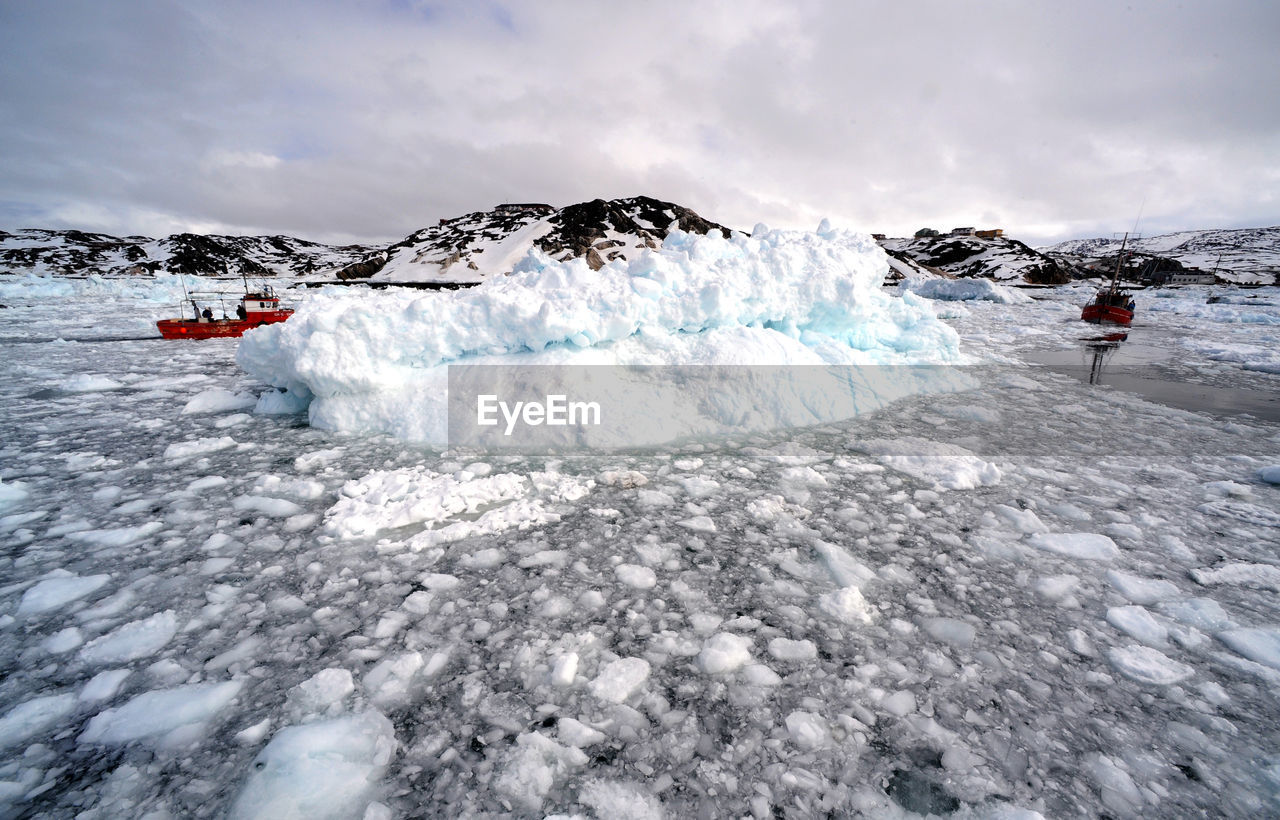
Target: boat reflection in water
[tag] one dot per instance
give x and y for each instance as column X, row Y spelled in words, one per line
column 1102, row 347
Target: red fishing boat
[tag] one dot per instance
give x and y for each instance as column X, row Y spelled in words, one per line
column 1111, row 304
column 255, row 309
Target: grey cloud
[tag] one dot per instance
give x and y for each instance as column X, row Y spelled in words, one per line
column 335, row 120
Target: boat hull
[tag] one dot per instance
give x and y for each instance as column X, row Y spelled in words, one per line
column 218, row 329
column 1097, row 314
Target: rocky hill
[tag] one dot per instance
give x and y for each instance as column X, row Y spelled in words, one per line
column 1244, row 255
column 79, row 253
column 471, row 247
column 999, row 258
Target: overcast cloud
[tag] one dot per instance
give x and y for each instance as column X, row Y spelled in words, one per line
column 364, row 121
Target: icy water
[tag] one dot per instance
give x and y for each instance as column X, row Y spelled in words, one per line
column 1146, row 363
column 1037, row 596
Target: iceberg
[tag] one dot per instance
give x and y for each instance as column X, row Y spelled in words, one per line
column 379, row 362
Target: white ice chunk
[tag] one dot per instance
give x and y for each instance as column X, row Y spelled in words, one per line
column 64, row 640
column 1270, row 475
column 1257, row 644
column 1086, row 546
column 198, row 447
column 323, row 692
column 326, row 771
column 12, row 492
column 33, row 716
column 565, row 670
column 57, row 589
column 619, row 679
column 808, row 731
column 1138, row 623
column 949, row 630
column 137, row 639
column 1118, row 791
column 1265, row 576
column 785, row 649
column 219, row 401
column 1141, row 590
column 1201, row 613
column 723, row 653
column 390, row 682
column 1147, row 665
column 846, row 605
column 165, row 717
column 946, row 466
column 636, row 576
column 577, row 734
column 900, row 703
column 104, row 685
column 620, row 800
column 118, row 536
column 533, row 767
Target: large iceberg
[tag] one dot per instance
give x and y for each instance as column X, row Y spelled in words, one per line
column 379, row 361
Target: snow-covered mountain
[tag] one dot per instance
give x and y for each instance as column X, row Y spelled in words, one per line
column 463, row 249
column 996, row 257
column 77, row 252
column 1246, row 255
column 471, row 247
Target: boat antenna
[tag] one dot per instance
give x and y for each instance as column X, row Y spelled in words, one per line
column 1139, row 218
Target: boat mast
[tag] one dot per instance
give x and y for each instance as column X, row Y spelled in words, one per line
column 1115, row 277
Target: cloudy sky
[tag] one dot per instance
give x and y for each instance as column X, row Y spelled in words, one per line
column 364, row 120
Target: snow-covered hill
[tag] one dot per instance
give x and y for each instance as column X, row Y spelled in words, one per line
column 76, row 253
column 469, row 248
column 1246, row 255
column 997, row 258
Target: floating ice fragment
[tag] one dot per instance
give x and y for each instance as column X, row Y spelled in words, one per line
column 33, row 716
column 138, row 639
column 1086, row 546
column 166, row 717
column 58, row 589
column 1147, row 665
column 1255, row 643
column 1264, row 576
column 723, row 653
column 619, row 679
column 1138, row 623
column 1270, row 475
column 322, row 693
column 577, row 734
column 1118, row 791
column 900, row 703
column 785, row 649
column 699, row 523
column 808, row 731
column 636, row 576
column 950, row 630
column 565, row 670
column 88, row 383
column 117, row 536
column 198, row 447
column 1141, row 590
column 219, row 401
column 326, row 771
column 945, row 466
column 12, row 492
column 846, row 605
column 533, row 767
column 104, row 685
column 620, row 800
